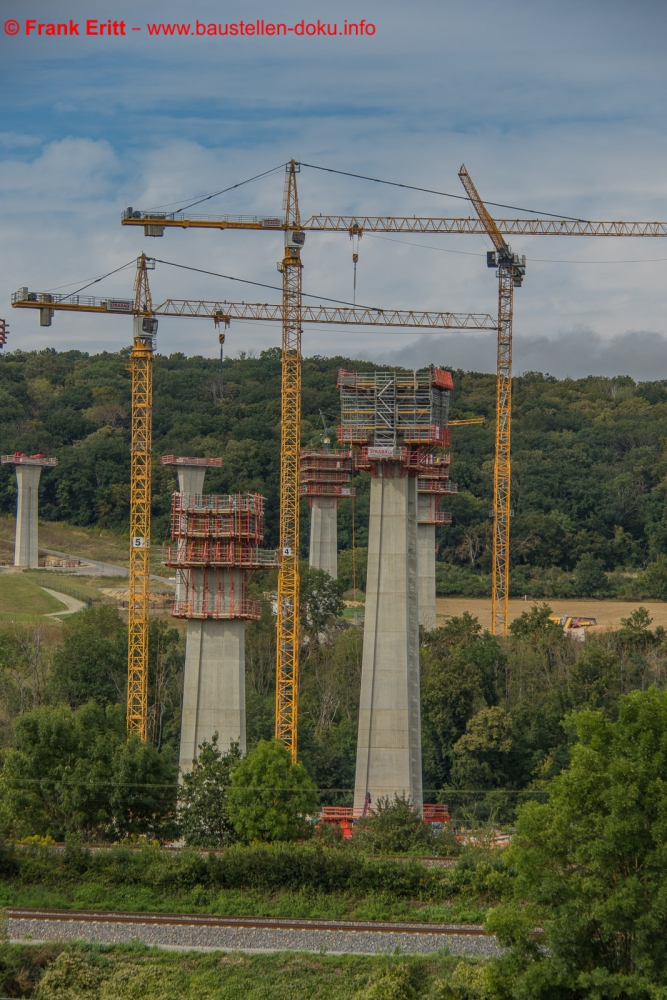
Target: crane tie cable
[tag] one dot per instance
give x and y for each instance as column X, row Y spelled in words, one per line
column 261, row 284
column 215, row 194
column 444, row 194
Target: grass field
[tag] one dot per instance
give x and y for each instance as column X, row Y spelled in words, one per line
column 131, row 972
column 608, row 613
column 243, row 903
column 22, row 600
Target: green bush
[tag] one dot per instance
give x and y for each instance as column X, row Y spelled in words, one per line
column 396, row 828
column 271, row 797
column 266, row 868
column 395, row 984
column 75, row 772
column 589, row 577
column 203, row 808
column 451, row 579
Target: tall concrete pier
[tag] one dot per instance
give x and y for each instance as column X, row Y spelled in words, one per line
column 389, row 738
column 324, row 478
column 28, row 472
column 216, row 540
column 396, row 419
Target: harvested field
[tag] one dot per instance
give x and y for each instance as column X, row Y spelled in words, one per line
column 608, row 613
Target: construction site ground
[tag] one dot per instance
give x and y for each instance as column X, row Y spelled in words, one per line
column 608, row 613
column 86, row 543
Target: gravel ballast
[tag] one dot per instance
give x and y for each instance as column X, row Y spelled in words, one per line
column 248, row 938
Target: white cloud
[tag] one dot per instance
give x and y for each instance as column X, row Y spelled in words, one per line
column 534, row 98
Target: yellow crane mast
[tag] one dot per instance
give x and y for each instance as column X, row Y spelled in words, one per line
column 287, row 626
column 511, row 269
column 138, row 620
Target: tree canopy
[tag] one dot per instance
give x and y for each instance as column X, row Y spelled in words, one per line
column 271, row 797
column 591, row 865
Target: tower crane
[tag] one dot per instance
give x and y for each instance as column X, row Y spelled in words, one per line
column 287, row 618
column 287, row 624
column 511, row 271
column 145, row 327
column 510, row 274
column 141, row 370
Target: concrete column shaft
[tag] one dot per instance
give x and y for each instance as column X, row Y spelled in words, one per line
column 214, row 686
column 389, row 740
column 324, row 535
column 26, row 543
column 191, row 478
column 426, row 560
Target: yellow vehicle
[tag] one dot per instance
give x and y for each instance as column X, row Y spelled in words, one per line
column 574, row 626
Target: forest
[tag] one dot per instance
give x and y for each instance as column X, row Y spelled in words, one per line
column 589, row 461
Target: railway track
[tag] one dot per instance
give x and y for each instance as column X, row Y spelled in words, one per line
column 208, row 932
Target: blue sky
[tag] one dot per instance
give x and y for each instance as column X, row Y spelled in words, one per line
column 554, row 106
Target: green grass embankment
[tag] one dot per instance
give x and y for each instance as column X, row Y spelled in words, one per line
column 54, row 972
column 275, row 881
column 22, row 600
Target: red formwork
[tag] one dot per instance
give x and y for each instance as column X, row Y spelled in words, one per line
column 325, row 460
column 204, row 552
column 440, row 486
column 207, row 463
column 432, row 434
column 237, row 516
column 325, row 473
column 438, row 813
column 395, row 407
column 238, row 525
column 216, row 540
column 218, row 503
column 325, row 490
column 326, row 477
column 213, row 592
column 249, row 610
column 346, row 816
column 397, row 462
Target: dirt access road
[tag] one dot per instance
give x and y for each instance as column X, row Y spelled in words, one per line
column 608, row 613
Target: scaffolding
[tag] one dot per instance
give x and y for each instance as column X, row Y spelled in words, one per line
column 216, row 540
column 395, row 409
column 325, row 474
column 238, row 516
